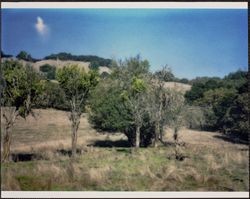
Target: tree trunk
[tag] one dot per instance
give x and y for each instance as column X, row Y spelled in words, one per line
column 74, row 126
column 6, row 144
column 75, row 116
column 9, row 115
column 157, row 132
column 131, row 139
column 74, row 138
column 176, row 135
column 137, row 132
column 161, row 133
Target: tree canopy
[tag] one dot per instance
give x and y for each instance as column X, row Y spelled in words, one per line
column 223, row 101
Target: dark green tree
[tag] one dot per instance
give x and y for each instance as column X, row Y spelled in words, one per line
column 126, row 112
column 25, row 56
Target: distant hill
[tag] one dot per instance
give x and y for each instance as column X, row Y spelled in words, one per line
column 94, row 60
column 59, row 64
column 61, row 59
column 3, row 55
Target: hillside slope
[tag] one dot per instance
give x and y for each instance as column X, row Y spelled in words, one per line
column 60, row 64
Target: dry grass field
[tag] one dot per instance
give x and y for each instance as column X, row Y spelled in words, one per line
column 60, row 64
column 178, row 86
column 106, row 163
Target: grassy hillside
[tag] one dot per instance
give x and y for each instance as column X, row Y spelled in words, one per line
column 60, row 64
column 106, row 163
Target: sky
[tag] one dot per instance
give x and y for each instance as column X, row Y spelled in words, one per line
column 192, row 42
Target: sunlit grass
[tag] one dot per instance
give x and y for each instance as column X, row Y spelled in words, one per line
column 144, row 170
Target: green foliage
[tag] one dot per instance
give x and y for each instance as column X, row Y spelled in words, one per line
column 22, row 86
column 236, row 119
column 52, row 97
column 49, row 71
column 75, row 81
column 76, row 85
column 104, row 75
column 224, row 102
column 200, row 87
column 107, row 108
column 136, row 66
column 25, row 56
column 236, row 75
column 94, row 65
column 138, row 85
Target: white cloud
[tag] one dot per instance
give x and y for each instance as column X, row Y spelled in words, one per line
column 41, row 27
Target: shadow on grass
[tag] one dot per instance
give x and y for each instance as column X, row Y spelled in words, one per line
column 23, row 157
column 68, row 152
column 110, row 143
column 232, row 139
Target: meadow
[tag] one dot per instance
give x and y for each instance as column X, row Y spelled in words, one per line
column 105, row 162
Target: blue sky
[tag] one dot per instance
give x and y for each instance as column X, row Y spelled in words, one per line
column 193, row 42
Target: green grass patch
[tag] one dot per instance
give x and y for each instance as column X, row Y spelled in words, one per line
column 117, row 169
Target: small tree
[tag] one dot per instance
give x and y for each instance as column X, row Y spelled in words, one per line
column 133, row 74
column 159, row 102
column 24, row 56
column 76, row 84
column 135, row 99
column 21, row 87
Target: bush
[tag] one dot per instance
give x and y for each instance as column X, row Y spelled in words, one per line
column 48, row 70
column 52, row 97
column 224, row 101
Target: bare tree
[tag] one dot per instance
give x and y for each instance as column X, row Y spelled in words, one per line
column 159, row 102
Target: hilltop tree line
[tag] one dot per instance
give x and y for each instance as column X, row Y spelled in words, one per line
column 131, row 100
column 95, row 61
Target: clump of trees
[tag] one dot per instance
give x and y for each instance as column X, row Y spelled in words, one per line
column 23, row 55
column 224, row 102
column 135, row 102
column 116, row 104
column 52, row 96
column 21, row 86
column 131, row 100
